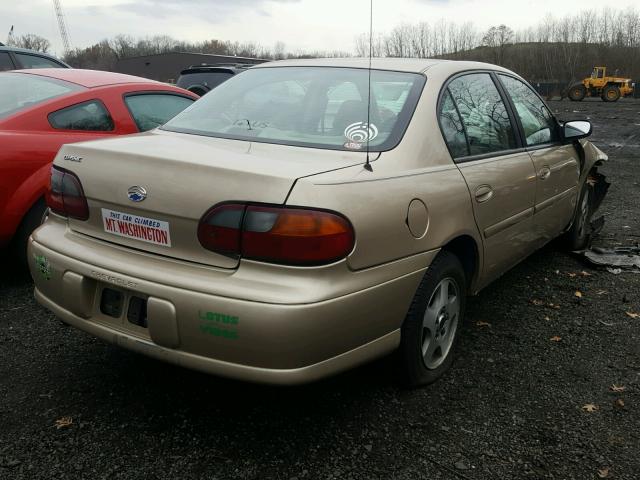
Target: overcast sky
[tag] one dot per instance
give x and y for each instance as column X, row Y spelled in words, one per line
column 300, row 24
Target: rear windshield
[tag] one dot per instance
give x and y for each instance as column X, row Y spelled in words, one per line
column 319, row 107
column 20, row 91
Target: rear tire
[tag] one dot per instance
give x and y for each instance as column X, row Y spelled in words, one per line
column 610, row 93
column 577, row 93
column 430, row 329
column 32, row 220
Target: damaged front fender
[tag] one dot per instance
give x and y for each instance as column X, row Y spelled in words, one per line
column 590, row 158
column 593, row 155
column 593, row 158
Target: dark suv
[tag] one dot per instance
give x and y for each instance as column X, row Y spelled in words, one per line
column 200, row 79
column 13, row 58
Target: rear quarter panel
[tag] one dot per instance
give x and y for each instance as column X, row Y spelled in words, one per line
column 377, row 204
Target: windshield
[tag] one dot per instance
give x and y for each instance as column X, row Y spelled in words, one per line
column 320, row 107
column 19, row 91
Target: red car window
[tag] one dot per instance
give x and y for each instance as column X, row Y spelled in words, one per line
column 150, row 110
column 87, row 116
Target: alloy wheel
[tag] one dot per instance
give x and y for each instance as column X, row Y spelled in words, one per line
column 440, row 323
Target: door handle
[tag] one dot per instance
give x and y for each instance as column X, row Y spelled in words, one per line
column 483, row 193
column 544, row 173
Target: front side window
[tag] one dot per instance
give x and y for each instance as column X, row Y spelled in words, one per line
column 537, row 122
column 150, row 110
column 21, row 91
column 452, row 127
column 88, row 116
column 483, row 113
column 35, row 61
column 320, row 107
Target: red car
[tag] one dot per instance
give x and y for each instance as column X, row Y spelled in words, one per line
column 42, row 109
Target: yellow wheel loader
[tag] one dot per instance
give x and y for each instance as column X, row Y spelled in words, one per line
column 610, row 89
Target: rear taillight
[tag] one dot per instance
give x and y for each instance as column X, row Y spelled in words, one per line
column 291, row 236
column 65, row 195
column 219, row 230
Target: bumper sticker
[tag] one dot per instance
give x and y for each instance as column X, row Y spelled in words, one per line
column 43, row 266
column 139, row 228
column 358, row 133
column 219, row 324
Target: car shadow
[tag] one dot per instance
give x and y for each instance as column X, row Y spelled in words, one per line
column 12, row 274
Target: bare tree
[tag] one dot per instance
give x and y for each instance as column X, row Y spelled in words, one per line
column 33, row 42
column 279, row 51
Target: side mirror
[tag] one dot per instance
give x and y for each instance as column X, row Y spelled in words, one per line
column 576, row 129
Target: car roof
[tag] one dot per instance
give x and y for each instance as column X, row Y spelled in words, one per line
column 87, row 78
column 415, row 65
column 5, row 48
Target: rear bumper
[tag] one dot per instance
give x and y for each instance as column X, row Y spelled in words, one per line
column 292, row 376
column 298, row 337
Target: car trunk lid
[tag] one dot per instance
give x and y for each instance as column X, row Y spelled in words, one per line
column 180, row 177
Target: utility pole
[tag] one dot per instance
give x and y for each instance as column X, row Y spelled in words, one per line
column 10, row 37
column 62, row 26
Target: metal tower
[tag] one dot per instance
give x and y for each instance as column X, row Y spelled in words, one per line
column 10, row 37
column 62, row 26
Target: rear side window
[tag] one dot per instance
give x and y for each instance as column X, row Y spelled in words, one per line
column 150, row 110
column 88, row 116
column 483, row 113
column 452, row 128
column 5, row 62
column 537, row 122
column 34, row 61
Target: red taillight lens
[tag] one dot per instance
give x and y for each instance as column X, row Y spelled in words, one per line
column 291, row 236
column 65, row 195
column 54, row 194
column 219, row 230
column 295, row 236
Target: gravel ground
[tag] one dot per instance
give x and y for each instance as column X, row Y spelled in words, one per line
column 511, row 407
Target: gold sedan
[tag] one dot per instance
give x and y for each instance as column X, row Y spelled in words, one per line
column 305, row 217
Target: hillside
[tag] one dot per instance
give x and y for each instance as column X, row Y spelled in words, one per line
column 561, row 63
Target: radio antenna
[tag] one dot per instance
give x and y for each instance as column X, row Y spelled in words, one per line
column 367, row 164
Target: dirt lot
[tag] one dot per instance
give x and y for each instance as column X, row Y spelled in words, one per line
column 512, row 406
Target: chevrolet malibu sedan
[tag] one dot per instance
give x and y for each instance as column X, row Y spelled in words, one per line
column 299, row 221
column 42, row 109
